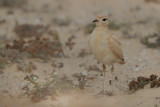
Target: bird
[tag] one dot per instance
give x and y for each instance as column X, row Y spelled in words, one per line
column 104, row 46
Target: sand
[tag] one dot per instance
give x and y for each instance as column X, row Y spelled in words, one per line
column 140, row 60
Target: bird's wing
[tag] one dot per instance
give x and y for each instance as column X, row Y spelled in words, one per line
column 116, row 40
column 115, row 47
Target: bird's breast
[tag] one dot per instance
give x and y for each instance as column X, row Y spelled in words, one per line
column 99, row 47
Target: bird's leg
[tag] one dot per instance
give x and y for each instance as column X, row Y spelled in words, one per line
column 104, row 75
column 112, row 69
column 112, row 76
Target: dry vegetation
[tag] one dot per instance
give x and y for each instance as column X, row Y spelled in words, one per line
column 27, row 30
column 55, row 59
column 38, row 48
column 142, row 81
column 52, row 87
column 12, row 3
column 154, row 1
column 146, row 41
column 8, row 56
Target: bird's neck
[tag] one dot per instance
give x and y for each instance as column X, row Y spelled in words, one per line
column 105, row 28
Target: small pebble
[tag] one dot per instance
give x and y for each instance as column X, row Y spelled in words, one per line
column 84, row 73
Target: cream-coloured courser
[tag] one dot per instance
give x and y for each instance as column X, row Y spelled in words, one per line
column 105, row 48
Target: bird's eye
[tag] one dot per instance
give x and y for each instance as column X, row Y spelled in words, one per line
column 104, row 19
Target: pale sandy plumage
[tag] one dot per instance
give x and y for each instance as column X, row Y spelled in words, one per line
column 104, row 46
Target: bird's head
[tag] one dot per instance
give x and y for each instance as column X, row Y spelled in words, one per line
column 101, row 21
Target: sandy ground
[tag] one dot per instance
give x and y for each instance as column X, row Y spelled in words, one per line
column 140, row 61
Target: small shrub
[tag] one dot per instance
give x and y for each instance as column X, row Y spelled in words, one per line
column 8, row 56
column 154, row 1
column 38, row 48
column 83, row 53
column 142, row 81
column 12, row 3
column 52, row 87
column 27, row 30
column 82, row 79
column 26, row 67
column 70, row 42
column 155, row 44
column 61, row 22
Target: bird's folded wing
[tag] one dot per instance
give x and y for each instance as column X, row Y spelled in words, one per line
column 115, row 47
column 116, row 40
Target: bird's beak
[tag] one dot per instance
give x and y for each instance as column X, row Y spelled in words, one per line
column 94, row 21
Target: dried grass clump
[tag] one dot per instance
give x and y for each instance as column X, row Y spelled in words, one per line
column 70, row 44
column 83, row 53
column 28, row 30
column 139, row 83
column 2, row 21
column 3, row 62
column 93, row 68
column 154, row 1
column 61, row 22
column 155, row 82
column 52, row 87
column 12, row 3
column 38, row 48
column 8, row 56
column 83, row 78
column 155, row 44
column 142, row 81
column 24, row 67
